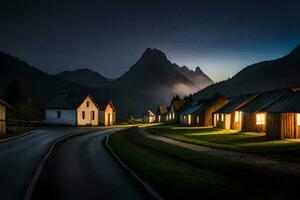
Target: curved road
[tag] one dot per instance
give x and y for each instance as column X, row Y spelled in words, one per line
column 20, row 157
column 82, row 168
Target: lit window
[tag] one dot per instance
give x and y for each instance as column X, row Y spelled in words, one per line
column 237, row 116
column 298, row 119
column 189, row 119
column 222, row 117
column 173, row 115
column 217, row 117
column 260, row 119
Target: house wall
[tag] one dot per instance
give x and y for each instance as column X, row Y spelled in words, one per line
column 2, row 120
column 107, row 117
column 149, row 119
column 288, row 125
column 249, row 123
column 87, row 120
column 208, row 121
column 273, row 125
column 236, row 125
column 68, row 117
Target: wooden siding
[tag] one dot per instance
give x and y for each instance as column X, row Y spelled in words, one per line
column 2, row 120
column 249, row 123
column 273, row 125
column 287, row 127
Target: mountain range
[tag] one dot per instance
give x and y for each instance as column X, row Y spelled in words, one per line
column 138, row 89
column 267, row 75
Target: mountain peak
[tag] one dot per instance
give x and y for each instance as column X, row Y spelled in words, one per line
column 198, row 70
column 153, row 55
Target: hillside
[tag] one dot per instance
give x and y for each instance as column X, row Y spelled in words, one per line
column 84, row 77
column 267, row 75
column 154, row 74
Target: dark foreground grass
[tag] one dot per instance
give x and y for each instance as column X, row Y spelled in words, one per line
column 248, row 142
column 178, row 173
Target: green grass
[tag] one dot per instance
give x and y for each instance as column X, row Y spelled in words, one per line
column 178, row 173
column 256, row 143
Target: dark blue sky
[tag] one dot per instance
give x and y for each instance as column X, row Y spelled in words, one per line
column 221, row 37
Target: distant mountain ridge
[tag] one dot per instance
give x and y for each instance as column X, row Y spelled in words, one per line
column 154, row 74
column 84, row 77
column 267, row 75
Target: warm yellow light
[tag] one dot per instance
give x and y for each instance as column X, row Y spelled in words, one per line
column 173, row 115
column 260, row 119
column 236, row 116
column 298, row 119
column 189, row 119
column 222, row 117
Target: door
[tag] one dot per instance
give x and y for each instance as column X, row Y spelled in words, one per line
column 108, row 119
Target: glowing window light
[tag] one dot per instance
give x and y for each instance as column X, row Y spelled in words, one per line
column 237, row 116
column 222, row 117
column 189, row 119
column 217, row 117
column 260, row 119
column 298, row 119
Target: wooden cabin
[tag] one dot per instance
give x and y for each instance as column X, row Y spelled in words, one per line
column 283, row 117
column 107, row 113
column 175, row 110
column 230, row 115
column 201, row 113
column 161, row 114
column 253, row 119
column 76, row 110
column 3, row 110
column 149, row 117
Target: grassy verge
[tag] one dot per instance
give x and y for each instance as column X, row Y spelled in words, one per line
column 178, row 173
column 18, row 130
column 256, row 143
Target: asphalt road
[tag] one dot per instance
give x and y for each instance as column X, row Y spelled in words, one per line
column 19, row 159
column 82, row 168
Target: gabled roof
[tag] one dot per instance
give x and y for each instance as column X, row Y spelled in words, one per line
column 161, row 109
column 178, row 104
column 264, row 99
column 288, row 103
column 5, row 104
column 66, row 101
column 191, row 108
column 102, row 104
column 237, row 102
column 149, row 113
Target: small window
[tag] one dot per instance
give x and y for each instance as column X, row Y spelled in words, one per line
column 217, row 117
column 83, row 115
column 58, row 114
column 87, row 104
column 222, row 117
column 298, row 119
column 237, row 116
column 93, row 115
column 260, row 119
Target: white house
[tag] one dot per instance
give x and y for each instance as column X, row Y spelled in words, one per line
column 149, row 117
column 77, row 110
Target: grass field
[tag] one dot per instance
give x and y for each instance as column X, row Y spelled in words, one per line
column 178, row 173
column 256, row 143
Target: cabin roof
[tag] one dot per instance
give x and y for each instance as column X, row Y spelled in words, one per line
column 102, row 104
column 149, row 113
column 162, row 109
column 264, row 99
column 178, row 104
column 236, row 102
column 66, row 101
column 288, row 103
column 5, row 104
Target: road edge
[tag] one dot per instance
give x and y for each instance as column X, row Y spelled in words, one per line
column 147, row 187
column 18, row 136
column 33, row 181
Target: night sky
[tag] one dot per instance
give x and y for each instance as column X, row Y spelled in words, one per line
column 221, row 37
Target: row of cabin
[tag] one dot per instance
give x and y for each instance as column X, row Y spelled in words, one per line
column 3, row 109
column 80, row 110
column 276, row 113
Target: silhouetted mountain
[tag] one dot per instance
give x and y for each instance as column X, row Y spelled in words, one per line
column 84, row 77
column 267, row 75
column 38, row 87
column 154, row 74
